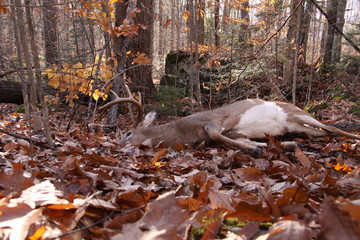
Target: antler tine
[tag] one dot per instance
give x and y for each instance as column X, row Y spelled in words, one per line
column 130, row 99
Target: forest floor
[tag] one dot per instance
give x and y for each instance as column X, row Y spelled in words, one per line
column 92, row 188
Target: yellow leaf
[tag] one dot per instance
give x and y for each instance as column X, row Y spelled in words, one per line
column 55, row 81
column 95, row 96
column 78, row 65
column 111, row 2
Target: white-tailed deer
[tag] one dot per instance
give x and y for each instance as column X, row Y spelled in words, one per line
column 234, row 124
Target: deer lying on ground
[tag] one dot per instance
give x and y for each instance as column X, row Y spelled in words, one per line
column 234, row 124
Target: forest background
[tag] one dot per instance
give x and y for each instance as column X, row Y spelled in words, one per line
column 268, row 49
column 59, row 59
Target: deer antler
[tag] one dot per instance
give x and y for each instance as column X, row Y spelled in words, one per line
column 130, row 99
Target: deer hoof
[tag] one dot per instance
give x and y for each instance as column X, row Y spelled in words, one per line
column 257, row 152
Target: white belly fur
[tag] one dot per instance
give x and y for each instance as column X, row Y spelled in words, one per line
column 266, row 118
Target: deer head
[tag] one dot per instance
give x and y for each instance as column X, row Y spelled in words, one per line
column 234, row 124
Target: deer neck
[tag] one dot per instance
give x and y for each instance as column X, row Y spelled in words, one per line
column 174, row 132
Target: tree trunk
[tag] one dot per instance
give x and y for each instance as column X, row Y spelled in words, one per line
column 191, row 39
column 161, row 45
column 305, row 18
column 225, row 15
column 217, row 23
column 141, row 75
column 24, row 81
column 123, row 10
column 324, row 30
column 178, row 22
column 50, row 32
column 200, row 23
column 244, row 33
column 44, row 117
column 333, row 6
column 340, row 21
column 28, row 64
column 290, row 49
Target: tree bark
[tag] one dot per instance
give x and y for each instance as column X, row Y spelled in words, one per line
column 333, row 4
column 305, row 18
column 24, row 81
column 245, row 33
column 225, row 15
column 200, row 23
column 28, row 64
column 290, row 48
column 142, row 43
column 161, row 45
column 332, row 23
column 50, row 32
column 217, row 23
column 123, row 10
column 340, row 21
column 44, row 117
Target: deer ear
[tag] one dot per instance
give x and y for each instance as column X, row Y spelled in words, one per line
column 149, row 118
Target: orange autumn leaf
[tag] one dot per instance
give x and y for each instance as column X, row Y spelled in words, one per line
column 65, row 206
column 339, row 167
column 38, row 234
column 166, row 23
column 141, row 58
column 159, row 155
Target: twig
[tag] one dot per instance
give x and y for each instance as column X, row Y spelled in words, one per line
column 38, row 143
column 97, row 222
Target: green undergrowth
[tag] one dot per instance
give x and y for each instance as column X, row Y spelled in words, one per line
column 229, row 224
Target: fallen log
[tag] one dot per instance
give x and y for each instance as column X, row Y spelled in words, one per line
column 10, row 92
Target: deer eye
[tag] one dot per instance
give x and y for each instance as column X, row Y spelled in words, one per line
column 128, row 134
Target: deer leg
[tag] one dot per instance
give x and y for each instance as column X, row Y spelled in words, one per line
column 300, row 128
column 214, row 133
column 304, row 119
column 286, row 144
column 290, row 144
column 243, row 139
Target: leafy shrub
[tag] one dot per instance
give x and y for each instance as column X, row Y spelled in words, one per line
column 168, row 100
